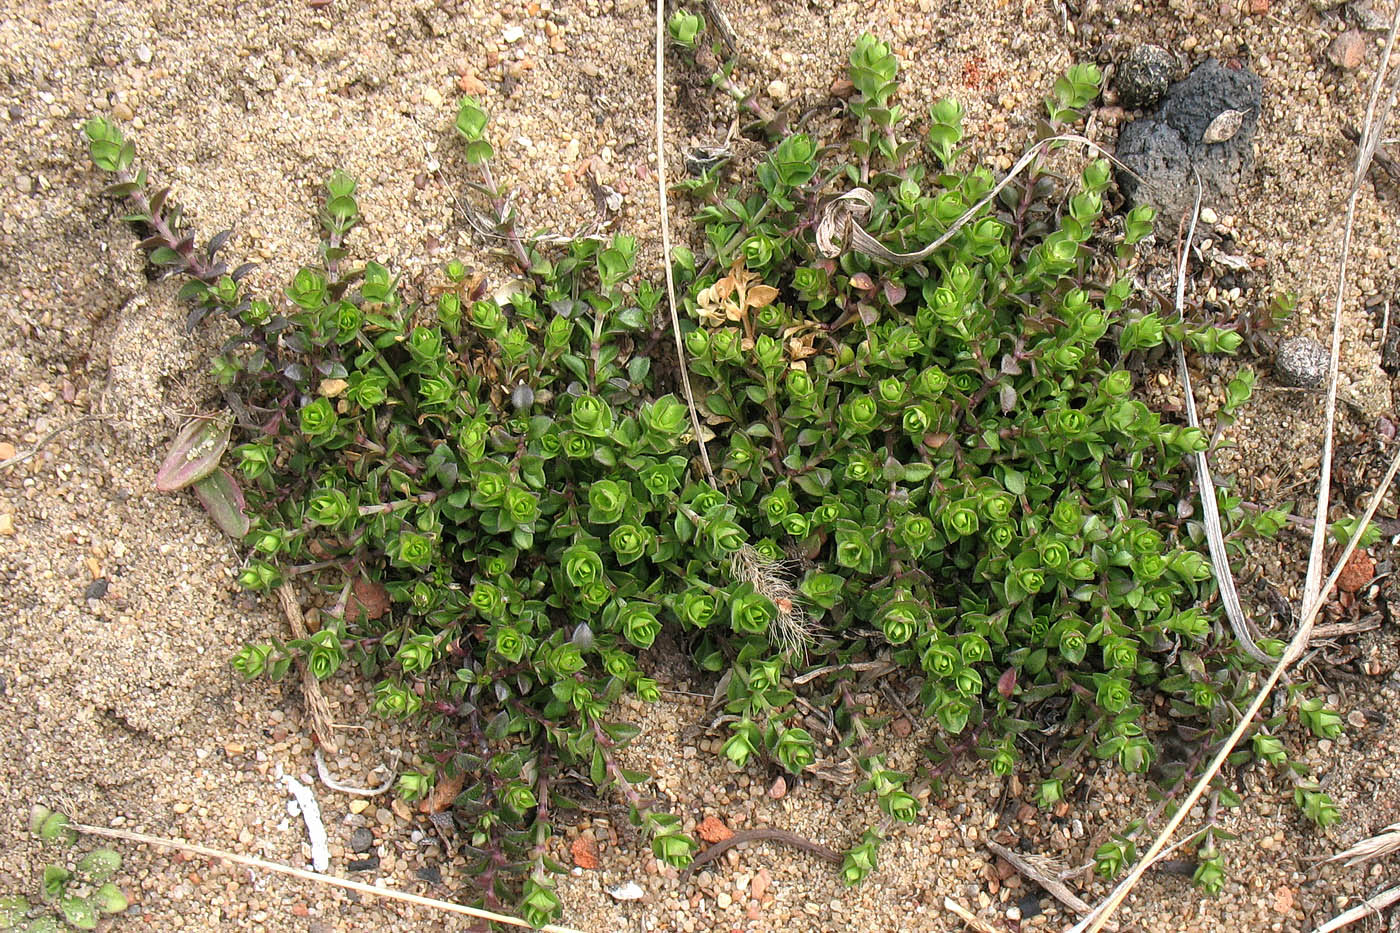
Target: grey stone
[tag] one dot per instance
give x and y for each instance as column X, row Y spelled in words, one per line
column 1160, row 151
column 1301, row 362
column 361, row 840
column 1143, row 76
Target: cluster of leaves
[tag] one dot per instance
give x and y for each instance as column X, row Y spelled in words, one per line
column 941, row 462
column 76, row 894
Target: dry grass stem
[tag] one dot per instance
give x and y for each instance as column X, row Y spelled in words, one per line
column 1044, row 871
column 1366, row 148
column 1314, row 594
column 1383, row 843
column 666, row 242
column 1210, row 510
column 311, row 687
column 19, row 458
column 318, row 877
column 968, row 917
column 1372, row 905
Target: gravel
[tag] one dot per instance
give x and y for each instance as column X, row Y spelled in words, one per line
column 126, row 707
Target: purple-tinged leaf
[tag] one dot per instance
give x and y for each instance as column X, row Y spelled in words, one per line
column 195, row 453
column 243, row 270
column 894, row 292
column 217, row 241
column 158, row 200
column 222, row 498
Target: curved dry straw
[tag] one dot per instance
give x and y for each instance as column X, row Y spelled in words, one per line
column 793, row 630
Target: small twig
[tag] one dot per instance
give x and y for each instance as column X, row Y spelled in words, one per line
column 1338, row 629
column 762, row 833
column 877, row 665
column 28, row 454
column 721, row 24
column 967, row 916
column 317, row 877
column 1372, row 905
column 1054, row 886
column 311, row 687
column 666, row 241
column 325, row 775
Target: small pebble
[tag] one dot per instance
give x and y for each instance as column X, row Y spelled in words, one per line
column 143, row 53
column 1209, row 216
column 1348, row 50
column 7, row 524
column 361, row 840
column 122, row 112
column 96, row 589
column 1143, row 76
column 512, row 34
column 1301, row 362
column 364, row 864
column 429, row 873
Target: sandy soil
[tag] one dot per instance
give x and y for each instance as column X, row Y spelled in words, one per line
column 124, row 707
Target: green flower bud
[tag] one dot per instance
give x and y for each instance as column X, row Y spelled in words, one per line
column 658, row 479
column 522, row 506
column 486, row 317
column 606, row 501
column 853, row 548
column 318, row 420
column 1082, row 568
column 749, row 612
column 518, row 797
column 252, row 660
column 647, row 689
column 901, row 619
column 509, row 643
column 425, row 344
column 1072, row 645
column 797, row 525
column 968, row 682
column 1068, row 357
column 795, row 750
column 1054, row 556
column 582, row 566
column 800, row 387
column 328, row 507
column 696, row 607
column 664, row 421
column 367, row 389
column 743, row 744
column 996, row 504
column 1067, row 517
column 1117, row 383
column 1113, row 694
column 1149, row 568
column 414, row 785
column 1001, row 535
column 565, row 660
column 577, row 446
column 860, row 415
column 901, row 805
column 777, row 505
column 417, row 654
column 1189, row 566
column 393, row 701
column 412, row 550
column 1119, row 654
column 930, row 383
column 726, row 537
column 959, row 518
column 1071, row 422
column 488, row 600
column 591, row 416
column 260, row 575
column 1147, row 541
column 941, row 659
column 629, row 543
column 639, row 624
column 822, row 589
column 914, row 532
column 594, row 595
column 697, row 343
column 765, row 675
column 891, row 392
column 861, row 469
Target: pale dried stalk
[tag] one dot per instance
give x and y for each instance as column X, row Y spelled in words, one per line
column 1366, row 148
column 318, row 877
column 666, row 242
column 1210, row 510
column 1372, row 905
column 1382, row 843
column 968, row 917
column 1294, row 650
column 316, row 703
column 1312, row 595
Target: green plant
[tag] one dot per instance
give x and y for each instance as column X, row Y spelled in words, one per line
column 939, row 460
column 77, row 894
